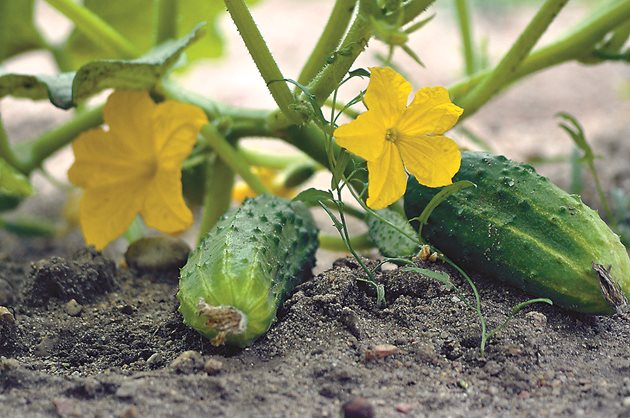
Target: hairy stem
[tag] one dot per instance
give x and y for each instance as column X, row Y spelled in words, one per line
column 37, row 150
column 465, row 30
column 353, row 44
column 262, row 57
column 506, row 69
column 329, row 40
column 576, row 44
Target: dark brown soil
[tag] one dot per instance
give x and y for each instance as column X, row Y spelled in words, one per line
column 127, row 354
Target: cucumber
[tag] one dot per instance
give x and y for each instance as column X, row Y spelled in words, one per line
column 234, row 282
column 518, row 227
column 389, row 241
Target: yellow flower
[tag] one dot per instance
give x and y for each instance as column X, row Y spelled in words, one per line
column 392, row 137
column 134, row 167
column 268, row 177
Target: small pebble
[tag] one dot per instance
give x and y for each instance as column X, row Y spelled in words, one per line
column 357, row 408
column 131, row 412
column 72, row 307
column 127, row 309
column 156, row 359
column 537, row 319
column 381, row 351
column 66, row 407
column 626, row 402
column 6, row 316
column 404, row 408
column 188, row 362
column 213, row 367
column 156, row 254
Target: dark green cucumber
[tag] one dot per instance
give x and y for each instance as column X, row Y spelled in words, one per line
column 389, row 241
column 518, row 227
column 234, row 282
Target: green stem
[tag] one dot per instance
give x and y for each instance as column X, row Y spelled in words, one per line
column 354, row 43
column 329, row 40
column 218, row 194
column 95, row 28
column 335, row 243
column 576, row 44
column 413, row 9
column 34, row 152
column 262, row 58
column 165, row 20
column 276, row 161
column 463, row 18
column 6, row 152
column 232, row 158
column 343, row 108
column 504, row 72
column 602, row 196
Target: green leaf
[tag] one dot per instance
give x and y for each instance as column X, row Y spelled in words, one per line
column 441, row 196
column 313, row 196
column 134, row 19
column 575, row 131
column 12, row 182
column 17, row 29
column 67, row 89
column 440, row 276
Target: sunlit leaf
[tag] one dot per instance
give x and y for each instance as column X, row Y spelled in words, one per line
column 134, row 19
column 67, row 89
column 313, row 196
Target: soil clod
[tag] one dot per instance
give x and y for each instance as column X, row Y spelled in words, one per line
column 83, row 278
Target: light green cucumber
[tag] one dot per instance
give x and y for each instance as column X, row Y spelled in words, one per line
column 234, row 282
column 518, row 227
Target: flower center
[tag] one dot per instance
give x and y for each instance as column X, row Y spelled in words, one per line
column 391, row 135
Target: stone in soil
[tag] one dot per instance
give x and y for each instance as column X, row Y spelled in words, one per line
column 161, row 254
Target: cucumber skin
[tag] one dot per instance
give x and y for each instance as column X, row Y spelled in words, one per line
column 389, row 241
column 518, row 227
column 251, row 260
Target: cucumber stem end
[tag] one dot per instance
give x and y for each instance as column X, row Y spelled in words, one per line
column 224, row 320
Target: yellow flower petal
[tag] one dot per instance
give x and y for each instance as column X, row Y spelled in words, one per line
column 364, row 136
column 387, row 95
column 430, row 112
column 101, row 159
column 106, row 212
column 432, row 160
column 176, row 126
column 387, row 179
column 128, row 113
column 164, row 208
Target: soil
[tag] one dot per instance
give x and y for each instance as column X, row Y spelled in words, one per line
column 116, row 347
